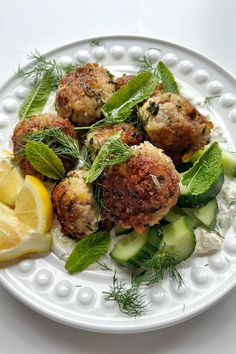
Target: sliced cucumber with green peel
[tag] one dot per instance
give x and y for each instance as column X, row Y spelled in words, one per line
column 202, row 182
column 229, row 163
column 206, row 215
column 133, row 249
column 203, row 216
column 178, row 239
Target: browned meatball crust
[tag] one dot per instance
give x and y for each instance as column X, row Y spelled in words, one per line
column 35, row 123
column 141, row 190
column 174, row 125
column 82, row 93
column 72, row 199
column 96, row 138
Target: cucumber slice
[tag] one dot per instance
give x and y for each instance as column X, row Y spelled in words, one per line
column 205, row 215
column 229, row 163
column 204, row 180
column 135, row 248
column 119, row 230
column 178, row 239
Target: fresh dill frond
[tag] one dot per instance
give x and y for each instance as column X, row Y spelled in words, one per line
column 144, row 62
column 155, row 269
column 130, row 300
column 42, row 66
column 113, row 152
column 62, row 144
column 208, row 101
column 95, row 43
column 104, row 266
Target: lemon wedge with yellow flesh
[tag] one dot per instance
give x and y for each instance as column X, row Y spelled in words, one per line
column 11, row 180
column 16, row 241
column 33, row 205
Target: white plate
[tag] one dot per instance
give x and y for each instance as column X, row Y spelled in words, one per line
column 45, row 286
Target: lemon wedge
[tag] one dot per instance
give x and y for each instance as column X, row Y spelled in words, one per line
column 16, row 240
column 33, row 205
column 11, row 180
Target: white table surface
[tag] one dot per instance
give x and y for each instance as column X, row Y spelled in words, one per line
column 207, row 26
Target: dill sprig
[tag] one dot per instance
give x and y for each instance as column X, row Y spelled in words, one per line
column 42, row 66
column 104, row 266
column 62, row 144
column 151, row 272
column 208, row 101
column 161, row 265
column 113, row 152
column 144, row 62
column 130, row 300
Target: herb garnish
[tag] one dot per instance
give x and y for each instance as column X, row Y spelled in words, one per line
column 35, row 101
column 87, row 251
column 41, row 67
column 151, row 272
column 130, row 301
column 62, row 144
column 209, row 100
column 167, row 78
column 113, row 152
column 44, row 160
column 144, row 62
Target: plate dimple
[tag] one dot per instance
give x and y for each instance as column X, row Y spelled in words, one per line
column 214, row 87
column 10, row 105
column 201, row 76
column 170, row 59
column 86, row 296
column 200, row 276
column 21, row 91
column 135, row 52
column 186, row 66
column 43, row 278
column 63, row 289
column 4, row 120
column 227, row 100
column 82, row 56
column 117, row 52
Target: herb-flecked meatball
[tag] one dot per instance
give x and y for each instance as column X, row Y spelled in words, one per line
column 36, row 123
column 96, row 138
column 174, row 125
column 141, row 190
column 73, row 203
column 82, row 93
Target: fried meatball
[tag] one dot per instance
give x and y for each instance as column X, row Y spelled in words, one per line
column 82, row 93
column 96, row 138
column 174, row 125
column 72, row 199
column 35, row 123
column 141, row 190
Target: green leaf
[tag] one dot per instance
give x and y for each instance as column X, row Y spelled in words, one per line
column 113, row 152
column 204, row 172
column 87, row 251
column 35, row 101
column 44, row 160
column 119, row 106
column 167, row 78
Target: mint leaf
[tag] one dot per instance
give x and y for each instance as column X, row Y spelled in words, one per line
column 35, row 101
column 167, row 78
column 87, row 251
column 113, row 152
column 119, row 106
column 205, row 170
column 44, row 159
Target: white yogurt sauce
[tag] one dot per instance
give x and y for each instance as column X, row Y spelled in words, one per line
column 205, row 241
